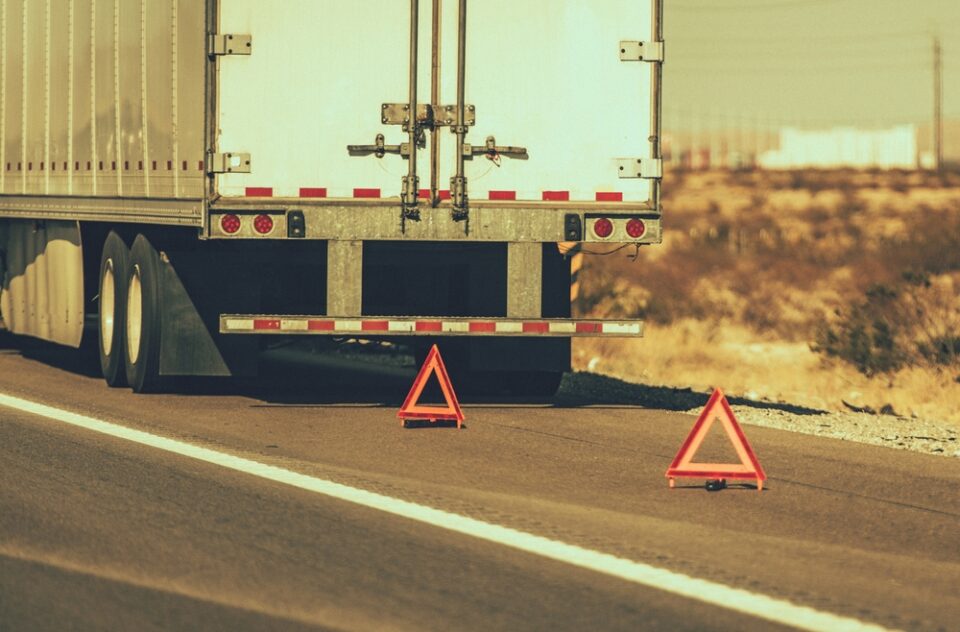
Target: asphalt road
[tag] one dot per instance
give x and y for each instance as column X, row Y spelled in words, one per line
column 101, row 533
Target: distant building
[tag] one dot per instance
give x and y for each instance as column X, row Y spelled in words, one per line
column 951, row 143
column 894, row 148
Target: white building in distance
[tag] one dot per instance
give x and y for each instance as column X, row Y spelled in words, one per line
column 894, row 148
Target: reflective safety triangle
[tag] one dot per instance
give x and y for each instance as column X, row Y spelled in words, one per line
column 412, row 409
column 748, row 468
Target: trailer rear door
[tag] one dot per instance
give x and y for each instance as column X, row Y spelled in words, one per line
column 547, row 77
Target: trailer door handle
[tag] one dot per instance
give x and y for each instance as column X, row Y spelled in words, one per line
column 493, row 151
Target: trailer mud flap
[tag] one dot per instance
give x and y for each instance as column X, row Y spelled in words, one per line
column 190, row 342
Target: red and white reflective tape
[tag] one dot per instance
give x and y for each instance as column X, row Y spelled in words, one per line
column 373, row 193
column 250, row 324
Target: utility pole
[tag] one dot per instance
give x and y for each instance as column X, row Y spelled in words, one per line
column 937, row 103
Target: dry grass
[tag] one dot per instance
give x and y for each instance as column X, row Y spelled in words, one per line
column 758, row 268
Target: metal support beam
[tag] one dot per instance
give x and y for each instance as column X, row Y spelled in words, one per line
column 458, row 184
column 411, row 183
column 434, row 99
column 656, row 103
column 344, row 278
column 524, row 280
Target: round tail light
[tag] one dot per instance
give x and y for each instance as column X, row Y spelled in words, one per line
column 263, row 224
column 603, row 228
column 230, row 224
column 636, row 228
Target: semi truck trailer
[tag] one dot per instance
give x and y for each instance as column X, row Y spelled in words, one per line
column 182, row 179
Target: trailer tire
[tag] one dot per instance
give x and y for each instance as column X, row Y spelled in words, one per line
column 143, row 315
column 114, row 263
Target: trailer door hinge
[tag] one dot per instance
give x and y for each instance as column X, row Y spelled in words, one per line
column 228, row 163
column 641, row 51
column 230, row 44
column 646, row 168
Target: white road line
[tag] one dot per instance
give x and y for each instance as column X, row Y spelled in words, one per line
column 702, row 590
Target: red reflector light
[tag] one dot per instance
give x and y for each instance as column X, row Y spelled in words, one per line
column 263, row 224
column 230, row 224
column 636, row 228
column 603, row 228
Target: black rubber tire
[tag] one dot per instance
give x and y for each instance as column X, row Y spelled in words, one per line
column 111, row 345
column 143, row 349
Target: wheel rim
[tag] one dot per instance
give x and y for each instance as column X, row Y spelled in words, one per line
column 134, row 315
column 108, row 305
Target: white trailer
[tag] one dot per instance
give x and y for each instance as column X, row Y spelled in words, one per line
column 188, row 173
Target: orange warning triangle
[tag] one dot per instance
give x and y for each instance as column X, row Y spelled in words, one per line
column 411, row 408
column 749, row 467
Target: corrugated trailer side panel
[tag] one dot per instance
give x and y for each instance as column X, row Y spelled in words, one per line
column 11, row 97
column 81, row 98
column 36, row 99
column 103, row 98
column 59, row 124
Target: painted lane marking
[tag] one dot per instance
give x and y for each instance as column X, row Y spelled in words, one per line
column 720, row 595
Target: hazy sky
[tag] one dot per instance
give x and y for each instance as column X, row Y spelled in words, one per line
column 813, row 63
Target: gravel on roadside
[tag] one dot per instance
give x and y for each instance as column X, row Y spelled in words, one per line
column 903, row 433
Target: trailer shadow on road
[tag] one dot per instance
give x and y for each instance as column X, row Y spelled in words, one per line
column 326, row 380
column 83, row 361
column 291, row 377
column 591, row 389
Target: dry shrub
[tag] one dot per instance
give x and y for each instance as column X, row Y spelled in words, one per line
column 915, row 323
column 737, row 251
column 931, row 243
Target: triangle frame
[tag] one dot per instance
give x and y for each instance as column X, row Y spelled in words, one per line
column 749, row 467
column 412, row 409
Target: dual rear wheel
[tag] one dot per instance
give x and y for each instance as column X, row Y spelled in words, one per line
column 129, row 323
